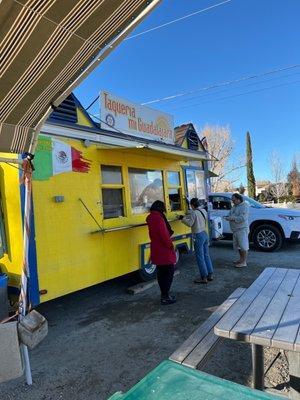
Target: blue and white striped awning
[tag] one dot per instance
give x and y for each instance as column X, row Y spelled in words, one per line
column 47, row 47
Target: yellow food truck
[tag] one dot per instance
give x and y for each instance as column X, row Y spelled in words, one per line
column 92, row 188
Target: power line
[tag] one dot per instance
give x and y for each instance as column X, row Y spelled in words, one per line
column 240, row 94
column 178, row 19
column 166, row 24
column 92, row 103
column 206, row 95
column 218, row 99
column 221, row 84
column 215, row 86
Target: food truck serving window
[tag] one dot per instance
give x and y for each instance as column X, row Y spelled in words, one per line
column 112, row 191
column 174, row 190
column 145, row 187
column 195, row 182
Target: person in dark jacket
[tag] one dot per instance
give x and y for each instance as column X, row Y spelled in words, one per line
column 162, row 249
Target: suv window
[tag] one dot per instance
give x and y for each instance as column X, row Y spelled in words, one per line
column 253, row 203
column 220, row 202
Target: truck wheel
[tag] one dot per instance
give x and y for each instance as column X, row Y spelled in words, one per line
column 149, row 271
column 267, row 238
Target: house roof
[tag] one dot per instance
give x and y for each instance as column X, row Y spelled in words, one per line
column 262, row 183
column 188, row 131
column 67, row 112
column 48, row 48
column 180, row 133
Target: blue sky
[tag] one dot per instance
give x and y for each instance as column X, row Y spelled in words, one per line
column 237, row 39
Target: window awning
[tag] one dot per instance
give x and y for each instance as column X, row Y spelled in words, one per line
column 160, row 150
column 106, row 140
column 177, row 154
column 47, row 48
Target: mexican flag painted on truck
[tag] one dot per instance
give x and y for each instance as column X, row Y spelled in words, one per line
column 54, row 157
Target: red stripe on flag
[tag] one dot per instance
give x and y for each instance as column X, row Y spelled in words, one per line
column 79, row 163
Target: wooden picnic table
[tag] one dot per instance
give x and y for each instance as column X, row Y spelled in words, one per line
column 268, row 314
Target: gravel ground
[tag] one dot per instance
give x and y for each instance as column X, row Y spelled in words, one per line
column 102, row 340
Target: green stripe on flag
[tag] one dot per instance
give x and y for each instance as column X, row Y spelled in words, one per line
column 43, row 159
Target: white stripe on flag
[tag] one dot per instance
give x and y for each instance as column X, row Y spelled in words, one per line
column 61, row 157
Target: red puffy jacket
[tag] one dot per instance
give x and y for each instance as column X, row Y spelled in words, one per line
column 162, row 248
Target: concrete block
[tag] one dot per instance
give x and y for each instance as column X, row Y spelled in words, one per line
column 32, row 329
column 10, row 356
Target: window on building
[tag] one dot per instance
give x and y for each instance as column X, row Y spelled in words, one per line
column 174, row 190
column 195, row 180
column 173, row 178
column 192, row 140
column 145, row 187
column 3, row 242
column 112, row 191
column 111, row 175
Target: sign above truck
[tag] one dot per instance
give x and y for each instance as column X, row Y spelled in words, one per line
column 120, row 115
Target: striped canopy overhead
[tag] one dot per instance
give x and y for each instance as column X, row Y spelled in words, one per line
column 46, row 48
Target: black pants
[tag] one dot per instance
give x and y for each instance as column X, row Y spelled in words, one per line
column 165, row 275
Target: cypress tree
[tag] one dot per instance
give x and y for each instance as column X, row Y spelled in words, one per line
column 250, row 173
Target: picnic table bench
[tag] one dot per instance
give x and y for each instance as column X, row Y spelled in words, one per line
column 198, row 348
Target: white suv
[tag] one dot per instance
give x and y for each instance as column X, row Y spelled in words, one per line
column 269, row 227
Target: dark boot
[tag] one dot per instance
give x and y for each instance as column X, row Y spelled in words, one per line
column 167, row 300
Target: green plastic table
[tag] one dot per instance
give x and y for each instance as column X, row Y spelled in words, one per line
column 174, row 381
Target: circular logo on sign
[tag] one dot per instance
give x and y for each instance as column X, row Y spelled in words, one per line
column 110, row 120
column 62, row 157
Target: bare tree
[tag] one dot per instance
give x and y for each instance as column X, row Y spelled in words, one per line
column 279, row 187
column 221, row 146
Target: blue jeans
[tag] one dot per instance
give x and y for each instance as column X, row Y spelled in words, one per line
column 202, row 254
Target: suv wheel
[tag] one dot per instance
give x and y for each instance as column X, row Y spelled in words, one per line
column 149, row 271
column 267, row 238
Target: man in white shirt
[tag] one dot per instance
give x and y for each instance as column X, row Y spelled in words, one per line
column 239, row 223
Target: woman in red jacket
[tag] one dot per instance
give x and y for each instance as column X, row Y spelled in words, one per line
column 162, row 249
